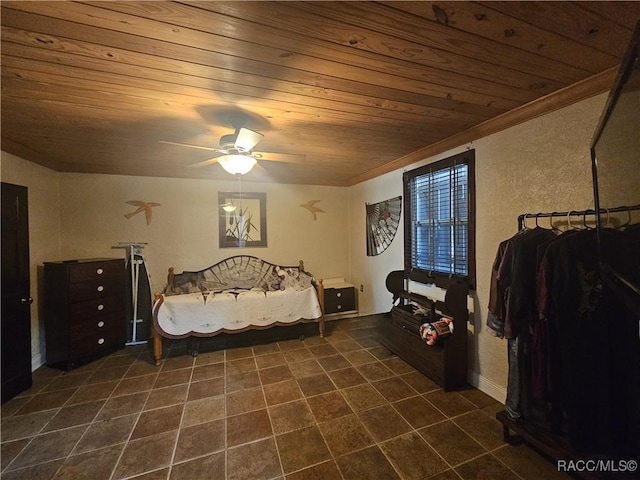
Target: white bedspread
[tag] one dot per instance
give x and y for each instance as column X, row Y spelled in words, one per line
column 206, row 315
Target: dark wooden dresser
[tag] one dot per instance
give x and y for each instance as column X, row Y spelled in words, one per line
column 84, row 310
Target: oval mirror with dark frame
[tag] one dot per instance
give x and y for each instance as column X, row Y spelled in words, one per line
column 615, row 160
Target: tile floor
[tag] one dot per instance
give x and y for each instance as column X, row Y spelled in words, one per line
column 342, row 407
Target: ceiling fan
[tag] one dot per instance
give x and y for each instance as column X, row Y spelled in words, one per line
column 236, row 153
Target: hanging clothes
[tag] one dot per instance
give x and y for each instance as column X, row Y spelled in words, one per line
column 544, row 375
column 517, row 278
column 496, row 315
column 573, row 345
column 594, row 340
column 512, row 310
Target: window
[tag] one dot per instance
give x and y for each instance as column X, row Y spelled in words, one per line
column 439, row 205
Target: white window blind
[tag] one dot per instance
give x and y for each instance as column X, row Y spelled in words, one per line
column 439, row 219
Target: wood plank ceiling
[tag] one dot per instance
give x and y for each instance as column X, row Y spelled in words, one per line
column 359, row 88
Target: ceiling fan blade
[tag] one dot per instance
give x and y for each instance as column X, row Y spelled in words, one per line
column 259, row 170
column 204, row 163
column 211, row 149
column 247, row 139
column 280, row 157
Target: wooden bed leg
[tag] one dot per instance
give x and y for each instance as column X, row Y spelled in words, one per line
column 193, row 346
column 155, row 336
column 157, row 345
column 321, row 300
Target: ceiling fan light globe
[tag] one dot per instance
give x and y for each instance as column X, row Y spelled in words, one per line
column 237, row 164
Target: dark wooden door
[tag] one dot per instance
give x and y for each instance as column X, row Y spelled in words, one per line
column 16, row 300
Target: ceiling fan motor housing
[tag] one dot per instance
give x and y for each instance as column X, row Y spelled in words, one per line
column 228, row 142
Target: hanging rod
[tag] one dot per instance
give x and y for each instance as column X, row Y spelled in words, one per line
column 581, row 213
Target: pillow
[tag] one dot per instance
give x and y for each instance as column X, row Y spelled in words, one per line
column 186, row 282
column 271, row 281
column 298, row 280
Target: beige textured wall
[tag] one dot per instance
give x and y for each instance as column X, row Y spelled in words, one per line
column 44, row 232
column 542, row 165
column 183, row 232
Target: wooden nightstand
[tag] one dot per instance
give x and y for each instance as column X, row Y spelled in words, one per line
column 339, row 297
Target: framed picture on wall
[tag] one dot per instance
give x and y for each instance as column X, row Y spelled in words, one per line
column 243, row 219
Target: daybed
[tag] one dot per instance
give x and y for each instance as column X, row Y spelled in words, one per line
column 239, row 294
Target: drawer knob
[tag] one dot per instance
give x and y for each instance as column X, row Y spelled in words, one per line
column 100, row 341
column 100, row 288
column 339, row 307
column 100, row 324
column 100, row 307
column 339, row 294
column 100, row 271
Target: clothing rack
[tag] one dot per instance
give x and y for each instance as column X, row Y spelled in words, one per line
column 575, row 213
column 539, row 436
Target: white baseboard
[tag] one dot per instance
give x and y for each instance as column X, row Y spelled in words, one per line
column 487, row 386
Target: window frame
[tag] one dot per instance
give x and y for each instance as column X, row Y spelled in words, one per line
column 442, row 279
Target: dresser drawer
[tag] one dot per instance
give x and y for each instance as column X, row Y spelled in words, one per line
column 96, row 272
column 96, row 288
column 96, row 342
column 83, row 325
column 338, row 300
column 99, row 307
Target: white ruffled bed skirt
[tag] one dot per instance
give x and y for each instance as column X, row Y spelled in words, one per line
column 199, row 314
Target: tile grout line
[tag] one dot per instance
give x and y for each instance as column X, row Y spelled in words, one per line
column 184, row 408
column 413, row 429
column 445, row 419
column 316, row 423
column 39, row 432
column 500, row 460
column 325, row 369
column 376, row 442
column 266, row 406
column 117, row 463
column 355, row 412
column 64, row 405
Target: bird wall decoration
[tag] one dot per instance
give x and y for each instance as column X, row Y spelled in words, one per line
column 142, row 207
column 310, row 205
